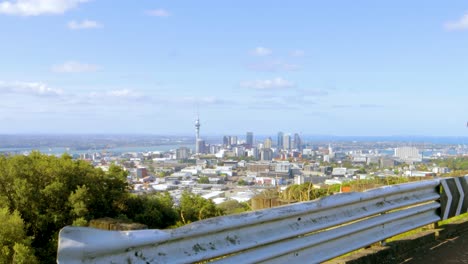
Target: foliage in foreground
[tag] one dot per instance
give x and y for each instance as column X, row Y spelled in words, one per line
column 41, row 194
column 48, row 193
column 307, row 192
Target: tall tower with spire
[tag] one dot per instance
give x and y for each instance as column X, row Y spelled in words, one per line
column 197, row 139
column 197, row 127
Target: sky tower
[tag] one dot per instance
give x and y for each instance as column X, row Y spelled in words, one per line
column 197, row 135
column 197, row 127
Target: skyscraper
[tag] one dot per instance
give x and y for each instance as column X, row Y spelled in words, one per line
column 267, row 143
column 280, row 140
column 266, row 154
column 200, row 146
column 182, row 153
column 249, row 139
column 233, row 140
column 297, row 142
column 287, row 142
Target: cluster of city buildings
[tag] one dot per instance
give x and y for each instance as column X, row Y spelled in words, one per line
column 239, row 168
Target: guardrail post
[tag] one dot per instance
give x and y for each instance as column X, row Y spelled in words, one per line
column 383, row 242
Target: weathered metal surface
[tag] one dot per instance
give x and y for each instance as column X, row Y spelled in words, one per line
column 312, row 231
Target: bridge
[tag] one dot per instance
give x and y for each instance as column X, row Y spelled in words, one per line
column 308, row 232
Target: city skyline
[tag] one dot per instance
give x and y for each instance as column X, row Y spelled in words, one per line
column 335, row 68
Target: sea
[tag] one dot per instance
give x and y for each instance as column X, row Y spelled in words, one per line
column 71, row 151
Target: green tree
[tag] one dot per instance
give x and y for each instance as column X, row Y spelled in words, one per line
column 361, row 171
column 234, row 207
column 14, row 243
column 193, row 207
column 242, row 182
column 50, row 193
column 203, row 180
column 153, row 210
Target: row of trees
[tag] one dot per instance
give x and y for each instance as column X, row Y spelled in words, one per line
column 41, row 194
column 307, row 192
column 458, row 163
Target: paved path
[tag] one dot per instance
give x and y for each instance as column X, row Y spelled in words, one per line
column 452, row 250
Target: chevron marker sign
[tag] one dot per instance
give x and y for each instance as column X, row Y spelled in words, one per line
column 454, row 197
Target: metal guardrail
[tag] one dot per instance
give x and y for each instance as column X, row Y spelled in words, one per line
column 308, row 232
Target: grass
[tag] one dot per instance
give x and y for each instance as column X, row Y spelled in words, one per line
column 454, row 219
column 426, row 228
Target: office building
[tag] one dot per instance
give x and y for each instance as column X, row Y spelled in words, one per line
column 233, row 140
column 280, row 140
column 226, row 141
column 249, row 139
column 266, row 154
column 182, row 153
column 297, row 142
column 200, row 146
column 287, row 142
column 268, row 143
column 408, row 154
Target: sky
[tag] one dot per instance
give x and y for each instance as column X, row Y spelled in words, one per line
column 345, row 68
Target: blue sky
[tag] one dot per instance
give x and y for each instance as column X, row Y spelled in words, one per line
column 366, row 68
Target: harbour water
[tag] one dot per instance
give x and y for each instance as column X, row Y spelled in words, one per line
column 62, row 150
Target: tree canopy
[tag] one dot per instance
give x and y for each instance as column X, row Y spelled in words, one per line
column 49, row 193
column 41, row 194
column 14, row 243
column 193, row 207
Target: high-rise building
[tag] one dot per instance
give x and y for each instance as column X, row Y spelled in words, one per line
column 214, row 149
column 182, row 153
column 200, row 146
column 268, row 143
column 408, row 154
column 239, row 151
column 266, row 154
column 226, row 141
column 233, row 140
column 249, row 139
column 297, row 142
column 253, row 152
column 287, row 142
column 280, row 144
column 330, row 151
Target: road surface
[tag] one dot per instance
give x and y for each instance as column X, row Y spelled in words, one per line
column 451, row 250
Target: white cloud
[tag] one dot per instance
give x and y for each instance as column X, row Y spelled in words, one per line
column 276, row 83
column 38, row 7
column 461, row 24
column 29, row 88
column 207, row 100
column 122, row 94
column 261, row 51
column 159, row 13
column 297, row 53
column 75, row 67
column 274, row 65
column 85, row 24
column 126, row 93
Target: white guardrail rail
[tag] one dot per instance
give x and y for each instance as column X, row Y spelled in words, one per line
column 307, row 232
